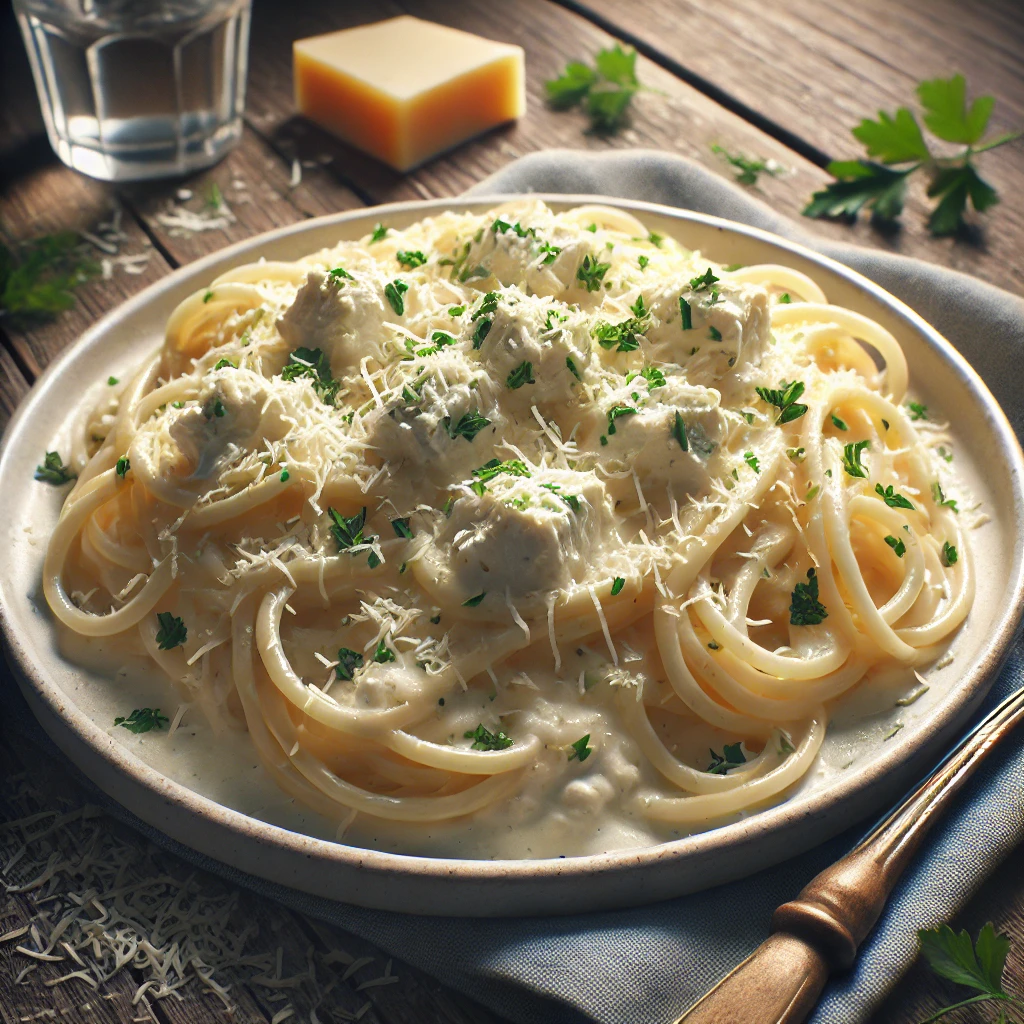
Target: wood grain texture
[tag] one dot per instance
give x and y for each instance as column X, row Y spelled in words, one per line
column 816, row 67
column 13, row 387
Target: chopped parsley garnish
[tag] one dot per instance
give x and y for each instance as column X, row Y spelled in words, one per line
column 314, row 364
column 472, row 602
column 805, row 609
column 946, row 456
column 502, row 226
column 812, row 492
column 591, row 273
column 347, row 531
column 551, row 253
column 617, row 584
column 483, row 328
column 624, row 336
column 580, row 750
column 949, row 555
column 401, row 528
column 207, row 296
column 122, row 467
column 714, row 334
column 456, row 310
column 654, row 377
column 679, row 432
column 339, row 275
column 522, row 374
column 917, row 411
column 796, row 455
column 615, row 412
column 285, row 476
column 111, row 381
column 172, row 632
column 223, row 364
column 748, row 169
column 751, row 460
column 481, row 318
column 143, row 720
column 348, row 662
column 704, row 282
column 785, row 400
column 410, row 259
column 572, row 500
column 851, row 458
column 940, row 499
column 572, row 367
column 642, row 262
column 897, row 545
column 468, row 425
column 379, row 232
column 892, row 498
column 687, row 314
column 394, row 292
column 655, row 239
column 731, row 757
column 213, row 407
column 785, row 299
column 484, row 739
column 489, row 470
column 383, row 654
column 838, row 423
column 53, row 471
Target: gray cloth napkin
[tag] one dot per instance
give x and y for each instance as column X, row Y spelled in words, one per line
column 645, row 966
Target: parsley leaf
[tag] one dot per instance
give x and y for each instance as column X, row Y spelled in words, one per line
column 805, row 609
column 917, row 411
column 348, row 662
column 495, row 467
column 569, row 362
column 53, row 471
column 751, row 460
column 394, row 292
column 892, row 498
column 624, row 336
column 949, row 554
column 838, row 423
column 897, row 545
column 172, row 632
column 580, row 750
column 851, row 458
column 410, row 259
column 940, row 499
column 617, row 584
column 686, row 313
column 122, row 467
column 472, row 602
column 679, row 432
column 143, row 720
column 748, row 168
column 605, row 91
column 591, row 273
column 312, row 363
column 379, row 232
column 615, row 412
column 522, row 374
column 383, row 654
column 468, row 425
column 401, row 528
column 484, row 739
column 347, row 531
column 897, row 139
column 978, row 965
column 785, row 400
column 731, row 757
column 38, row 278
column 703, row 282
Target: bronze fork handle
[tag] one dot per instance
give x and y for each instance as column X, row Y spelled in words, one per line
column 819, row 931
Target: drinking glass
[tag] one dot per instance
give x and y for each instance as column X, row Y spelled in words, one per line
column 135, row 89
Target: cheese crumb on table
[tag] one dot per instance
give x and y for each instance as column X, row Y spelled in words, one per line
column 406, row 89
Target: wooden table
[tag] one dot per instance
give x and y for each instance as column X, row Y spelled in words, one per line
column 779, row 80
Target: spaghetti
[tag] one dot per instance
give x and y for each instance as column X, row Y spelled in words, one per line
column 516, row 517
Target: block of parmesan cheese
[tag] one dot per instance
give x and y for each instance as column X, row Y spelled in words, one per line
column 406, row 89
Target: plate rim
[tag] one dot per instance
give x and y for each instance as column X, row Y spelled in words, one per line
column 593, row 866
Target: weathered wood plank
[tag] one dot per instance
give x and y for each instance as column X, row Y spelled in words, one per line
column 54, row 198
column 816, row 67
column 250, row 192
column 13, row 387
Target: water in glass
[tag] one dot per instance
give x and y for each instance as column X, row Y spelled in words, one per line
column 134, row 89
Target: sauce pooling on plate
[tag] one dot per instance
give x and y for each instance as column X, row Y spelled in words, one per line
column 516, row 525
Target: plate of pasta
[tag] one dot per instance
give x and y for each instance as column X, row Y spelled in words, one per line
column 453, row 556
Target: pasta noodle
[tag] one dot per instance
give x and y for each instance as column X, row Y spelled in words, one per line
column 516, row 519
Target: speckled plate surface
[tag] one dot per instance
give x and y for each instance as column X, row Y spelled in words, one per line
column 211, row 796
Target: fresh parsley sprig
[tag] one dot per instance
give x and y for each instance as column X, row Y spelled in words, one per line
column 805, row 609
column 731, row 757
column 898, row 145
column 38, row 277
column 748, row 169
column 314, row 364
column 604, row 91
column 142, row 720
column 484, row 739
column 53, row 471
column 976, row 965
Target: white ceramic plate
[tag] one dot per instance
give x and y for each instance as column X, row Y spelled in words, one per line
column 238, row 817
